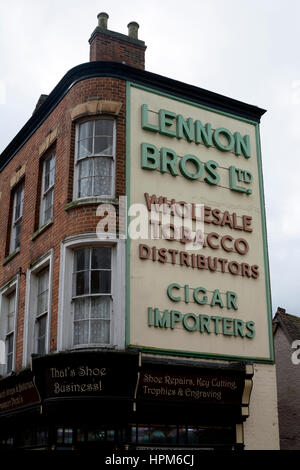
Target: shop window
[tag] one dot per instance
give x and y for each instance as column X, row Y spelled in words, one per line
column 92, row 295
column 173, row 435
column 64, row 436
column 7, row 326
column 38, row 308
column 16, row 221
column 47, row 190
column 94, row 160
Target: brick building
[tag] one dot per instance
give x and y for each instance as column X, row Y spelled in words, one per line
column 76, row 373
column 286, row 345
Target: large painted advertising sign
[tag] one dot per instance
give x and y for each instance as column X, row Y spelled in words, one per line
column 197, row 262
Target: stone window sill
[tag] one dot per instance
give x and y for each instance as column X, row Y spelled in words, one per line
column 10, row 256
column 41, row 230
column 91, row 200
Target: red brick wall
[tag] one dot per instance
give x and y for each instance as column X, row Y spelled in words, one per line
column 112, row 49
column 73, row 221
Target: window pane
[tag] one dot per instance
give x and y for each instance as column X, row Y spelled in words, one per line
column 100, row 307
column 103, row 166
column 17, row 235
column 85, row 188
column 101, row 258
column 86, row 130
column 82, row 258
column 41, row 334
column 9, row 352
column 100, row 331
column 85, row 178
column 49, row 172
column 100, row 282
column 103, row 176
column 104, row 127
column 9, row 363
column 10, row 343
column 103, row 186
column 85, row 148
column 18, row 201
column 86, row 168
column 11, row 299
column 48, row 207
column 103, row 145
column 81, row 311
column 82, row 283
column 42, row 305
column 81, row 332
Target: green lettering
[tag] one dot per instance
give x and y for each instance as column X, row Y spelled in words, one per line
column 186, row 319
column 218, row 143
column 175, row 318
column 217, row 321
column 197, row 164
column 203, row 134
column 216, row 299
column 231, row 298
column 238, row 327
column 204, row 321
column 145, row 124
column 227, row 325
column 168, row 160
column 213, row 177
column 172, row 286
column 242, row 145
column 250, row 327
column 150, row 160
column 185, row 127
column 166, row 119
column 233, row 171
column 204, row 300
column 161, row 321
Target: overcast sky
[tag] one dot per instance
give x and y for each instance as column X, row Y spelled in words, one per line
column 245, row 49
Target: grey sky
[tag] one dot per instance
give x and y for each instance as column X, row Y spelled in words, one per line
column 245, row 49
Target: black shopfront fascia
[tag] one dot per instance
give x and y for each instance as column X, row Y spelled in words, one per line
column 116, row 399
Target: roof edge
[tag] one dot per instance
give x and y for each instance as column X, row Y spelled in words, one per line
column 125, row 72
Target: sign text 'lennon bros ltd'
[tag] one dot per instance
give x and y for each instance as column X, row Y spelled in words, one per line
column 214, row 300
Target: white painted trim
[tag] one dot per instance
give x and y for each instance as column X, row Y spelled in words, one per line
column 11, row 286
column 65, row 328
column 29, row 343
column 76, row 160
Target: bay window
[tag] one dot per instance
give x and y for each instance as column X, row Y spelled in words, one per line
column 91, row 299
column 95, row 155
column 92, row 295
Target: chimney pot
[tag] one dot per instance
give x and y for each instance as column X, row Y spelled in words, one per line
column 133, row 29
column 102, row 20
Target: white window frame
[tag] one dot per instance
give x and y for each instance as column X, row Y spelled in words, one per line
column 9, row 288
column 15, row 221
column 30, row 324
column 93, row 155
column 66, row 306
column 46, row 191
column 90, row 295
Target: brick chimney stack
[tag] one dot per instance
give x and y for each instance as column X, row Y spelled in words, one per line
column 108, row 45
